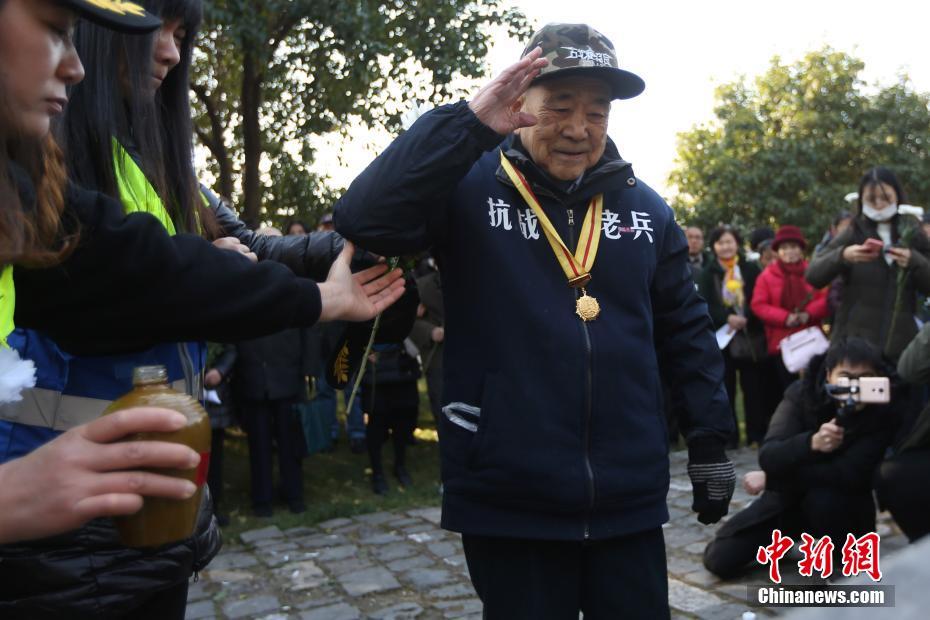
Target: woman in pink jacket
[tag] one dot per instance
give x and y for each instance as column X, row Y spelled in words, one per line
column 783, row 299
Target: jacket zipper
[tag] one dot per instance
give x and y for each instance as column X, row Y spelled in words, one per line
column 589, row 380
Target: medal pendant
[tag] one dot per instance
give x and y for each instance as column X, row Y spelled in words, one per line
column 587, row 307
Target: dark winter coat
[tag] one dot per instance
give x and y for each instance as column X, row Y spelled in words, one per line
column 429, row 287
column 222, row 358
column 275, row 367
column 130, row 285
column 88, row 574
column 309, row 255
column 786, row 455
column 710, row 284
column 869, row 289
column 793, row 469
column 914, row 367
column 553, row 427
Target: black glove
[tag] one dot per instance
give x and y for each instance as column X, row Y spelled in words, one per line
column 713, row 478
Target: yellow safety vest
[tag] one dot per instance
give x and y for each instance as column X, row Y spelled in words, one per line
column 137, row 195
column 135, row 191
column 7, row 303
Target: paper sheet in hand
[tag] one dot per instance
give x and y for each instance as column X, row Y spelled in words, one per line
column 725, row 335
column 212, row 397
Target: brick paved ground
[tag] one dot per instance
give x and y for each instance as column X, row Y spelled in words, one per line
column 398, row 566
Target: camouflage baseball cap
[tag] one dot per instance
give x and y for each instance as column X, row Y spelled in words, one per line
column 579, row 49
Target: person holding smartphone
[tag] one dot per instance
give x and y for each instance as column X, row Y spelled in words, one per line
column 868, row 256
column 817, row 462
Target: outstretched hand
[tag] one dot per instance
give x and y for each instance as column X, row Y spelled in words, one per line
column 494, row 103
column 87, row 473
column 358, row 297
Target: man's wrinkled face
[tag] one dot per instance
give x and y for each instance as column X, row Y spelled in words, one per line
column 571, row 131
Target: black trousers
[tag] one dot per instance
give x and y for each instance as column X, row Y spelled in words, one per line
column 519, row 579
column 274, row 420
column 820, row 512
column 755, row 403
column 901, row 485
column 392, row 410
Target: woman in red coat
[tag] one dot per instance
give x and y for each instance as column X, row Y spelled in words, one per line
column 783, row 300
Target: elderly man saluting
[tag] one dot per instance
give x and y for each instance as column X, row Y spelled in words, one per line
column 566, row 285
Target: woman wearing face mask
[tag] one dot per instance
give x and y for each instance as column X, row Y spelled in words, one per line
column 119, row 286
column 784, row 301
column 868, row 258
column 817, row 465
column 727, row 284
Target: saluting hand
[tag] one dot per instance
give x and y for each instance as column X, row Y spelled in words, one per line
column 494, row 104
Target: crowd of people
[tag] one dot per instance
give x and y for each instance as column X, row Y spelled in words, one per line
column 571, row 311
column 866, row 284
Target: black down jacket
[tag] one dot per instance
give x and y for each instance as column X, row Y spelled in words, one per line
column 87, row 573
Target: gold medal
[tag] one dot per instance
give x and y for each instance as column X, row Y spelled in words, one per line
column 576, row 266
column 587, row 307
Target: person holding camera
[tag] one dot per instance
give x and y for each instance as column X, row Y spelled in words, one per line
column 901, row 480
column 817, row 460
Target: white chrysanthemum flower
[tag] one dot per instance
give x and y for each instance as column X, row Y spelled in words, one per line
column 16, row 375
column 917, row 212
column 851, row 197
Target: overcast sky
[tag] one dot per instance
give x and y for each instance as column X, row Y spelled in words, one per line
column 683, row 50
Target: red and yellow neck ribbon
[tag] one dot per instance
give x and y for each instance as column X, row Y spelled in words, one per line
column 577, row 266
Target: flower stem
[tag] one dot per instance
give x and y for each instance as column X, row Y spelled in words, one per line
column 898, row 298
column 392, row 263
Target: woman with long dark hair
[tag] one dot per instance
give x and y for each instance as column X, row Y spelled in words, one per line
column 131, row 138
column 116, row 127
column 80, row 477
column 119, row 288
column 875, row 258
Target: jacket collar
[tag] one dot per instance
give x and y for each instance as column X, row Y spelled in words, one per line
column 609, row 173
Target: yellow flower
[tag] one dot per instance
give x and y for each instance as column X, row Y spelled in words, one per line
column 734, row 285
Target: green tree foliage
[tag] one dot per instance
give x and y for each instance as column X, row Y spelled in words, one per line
column 787, row 147
column 269, row 75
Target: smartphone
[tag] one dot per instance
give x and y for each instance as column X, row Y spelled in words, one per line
column 873, row 245
column 874, row 390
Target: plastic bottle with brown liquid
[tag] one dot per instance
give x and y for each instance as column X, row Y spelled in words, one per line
column 162, row 521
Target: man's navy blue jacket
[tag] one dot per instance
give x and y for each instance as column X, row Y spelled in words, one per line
column 553, row 428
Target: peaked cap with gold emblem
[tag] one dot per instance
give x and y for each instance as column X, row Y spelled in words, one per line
column 121, row 15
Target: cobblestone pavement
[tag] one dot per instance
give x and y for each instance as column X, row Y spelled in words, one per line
column 399, row 566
